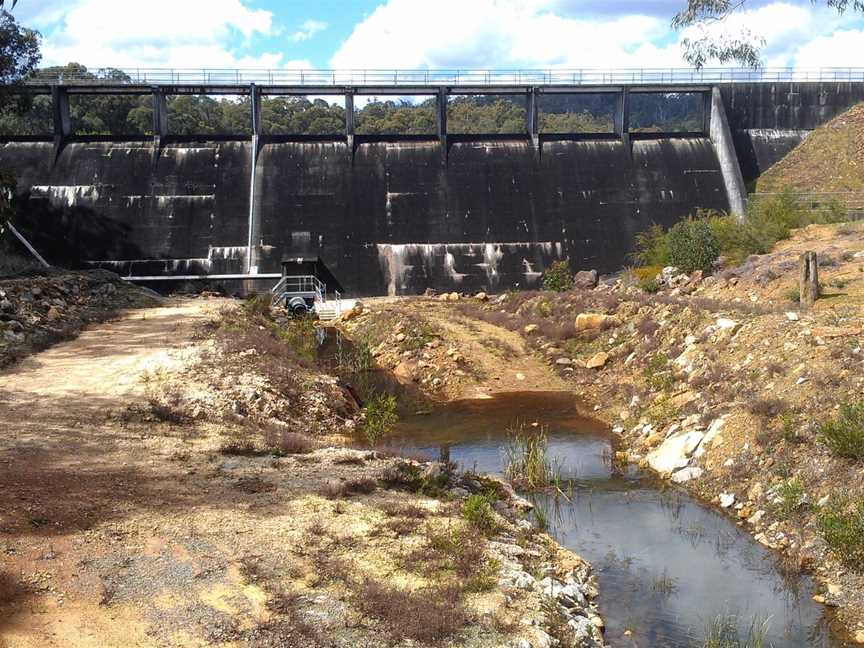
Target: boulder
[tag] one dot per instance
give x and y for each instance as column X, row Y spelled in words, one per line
column 355, row 311
column 404, row 371
column 481, row 296
column 595, row 321
column 674, row 453
column 725, row 324
column 586, row 279
column 530, row 329
column 598, row 360
column 453, row 297
column 686, row 474
column 564, row 362
column 6, row 306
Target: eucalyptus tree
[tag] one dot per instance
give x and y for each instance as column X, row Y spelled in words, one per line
column 744, row 48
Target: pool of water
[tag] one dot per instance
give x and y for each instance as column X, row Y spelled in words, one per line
column 666, row 564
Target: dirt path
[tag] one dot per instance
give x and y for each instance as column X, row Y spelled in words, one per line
column 69, row 464
column 505, row 363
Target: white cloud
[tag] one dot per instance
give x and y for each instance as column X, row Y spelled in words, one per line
column 540, row 34
column 842, row 48
column 158, row 33
column 307, row 30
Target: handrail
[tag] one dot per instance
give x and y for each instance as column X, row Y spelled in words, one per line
column 443, row 77
column 301, row 284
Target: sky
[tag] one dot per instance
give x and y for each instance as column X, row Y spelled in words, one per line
column 375, row 34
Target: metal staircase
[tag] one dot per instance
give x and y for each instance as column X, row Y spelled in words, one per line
column 305, row 294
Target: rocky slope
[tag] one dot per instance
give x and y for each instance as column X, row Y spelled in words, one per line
column 39, row 310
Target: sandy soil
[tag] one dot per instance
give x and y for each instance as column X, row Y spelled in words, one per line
column 119, row 530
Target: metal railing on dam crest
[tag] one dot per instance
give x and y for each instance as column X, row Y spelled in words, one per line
column 438, row 77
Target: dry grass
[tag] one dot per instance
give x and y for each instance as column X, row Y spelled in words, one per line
column 829, row 160
column 428, row 615
column 334, row 488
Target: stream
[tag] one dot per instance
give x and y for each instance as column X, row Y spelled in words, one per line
column 666, row 564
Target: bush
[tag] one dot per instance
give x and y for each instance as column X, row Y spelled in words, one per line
column 477, row 511
column 842, row 524
column 380, row 417
column 558, row 277
column 658, row 376
column 652, row 248
column 427, row 615
column 791, row 495
column 461, row 549
column 844, row 435
column 693, row 245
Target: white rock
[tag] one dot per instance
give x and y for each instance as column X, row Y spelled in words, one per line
column 581, row 628
column 686, row 474
column 792, row 316
column 714, row 429
column 756, row 518
column 727, row 500
column 572, row 594
column 674, row 452
column 725, row 324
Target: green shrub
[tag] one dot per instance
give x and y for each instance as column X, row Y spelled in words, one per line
column 789, row 427
column 791, row 495
column 841, row 522
column 652, row 247
column 544, row 309
column 693, row 245
column 649, row 286
column 657, row 374
column 558, row 277
column 477, row 511
column 844, row 434
column 380, row 417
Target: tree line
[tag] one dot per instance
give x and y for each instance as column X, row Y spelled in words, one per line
column 207, row 115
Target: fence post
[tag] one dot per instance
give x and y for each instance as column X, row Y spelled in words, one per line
column 808, row 279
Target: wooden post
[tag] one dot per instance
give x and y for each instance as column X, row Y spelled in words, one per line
column 809, row 279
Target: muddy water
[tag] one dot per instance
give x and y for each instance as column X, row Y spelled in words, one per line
column 666, row 564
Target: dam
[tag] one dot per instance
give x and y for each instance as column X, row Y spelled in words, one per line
column 395, row 213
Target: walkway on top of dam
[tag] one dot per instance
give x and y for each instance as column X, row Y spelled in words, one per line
column 234, row 81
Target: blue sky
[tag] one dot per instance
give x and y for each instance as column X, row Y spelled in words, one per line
column 479, row 34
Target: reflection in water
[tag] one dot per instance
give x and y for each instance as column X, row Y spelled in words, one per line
column 666, row 565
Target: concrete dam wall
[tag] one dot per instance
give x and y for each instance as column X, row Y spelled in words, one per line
column 398, row 214
column 396, row 217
